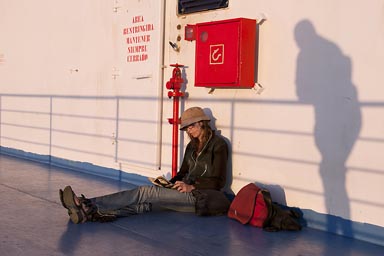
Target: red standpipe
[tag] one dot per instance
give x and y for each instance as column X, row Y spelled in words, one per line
column 175, row 84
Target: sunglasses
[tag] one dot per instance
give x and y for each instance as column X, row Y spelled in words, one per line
column 190, row 126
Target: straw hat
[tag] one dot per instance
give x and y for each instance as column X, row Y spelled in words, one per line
column 192, row 115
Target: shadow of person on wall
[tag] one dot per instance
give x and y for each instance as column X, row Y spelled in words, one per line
column 323, row 79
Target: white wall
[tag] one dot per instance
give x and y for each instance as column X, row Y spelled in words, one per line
column 315, row 132
column 68, row 88
column 314, row 135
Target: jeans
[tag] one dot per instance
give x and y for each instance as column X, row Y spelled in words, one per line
column 144, row 199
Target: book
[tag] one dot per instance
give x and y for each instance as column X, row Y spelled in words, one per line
column 161, row 181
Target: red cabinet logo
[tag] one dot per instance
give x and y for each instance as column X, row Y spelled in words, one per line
column 216, row 53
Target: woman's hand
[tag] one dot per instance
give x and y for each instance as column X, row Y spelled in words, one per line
column 183, row 187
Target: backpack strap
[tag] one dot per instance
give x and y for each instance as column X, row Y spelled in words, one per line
column 269, row 204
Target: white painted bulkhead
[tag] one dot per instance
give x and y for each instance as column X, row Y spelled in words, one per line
column 72, row 88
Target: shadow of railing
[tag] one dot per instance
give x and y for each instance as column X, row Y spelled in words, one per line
column 19, row 121
column 24, row 110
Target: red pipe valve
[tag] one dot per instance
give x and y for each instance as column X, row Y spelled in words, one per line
column 175, row 84
column 176, row 80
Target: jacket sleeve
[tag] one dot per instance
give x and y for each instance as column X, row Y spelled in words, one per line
column 219, row 162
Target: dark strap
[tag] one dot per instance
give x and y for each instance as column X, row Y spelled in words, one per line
column 269, row 204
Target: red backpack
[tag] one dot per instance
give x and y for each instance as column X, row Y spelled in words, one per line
column 251, row 206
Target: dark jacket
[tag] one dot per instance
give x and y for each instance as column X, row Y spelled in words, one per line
column 208, row 169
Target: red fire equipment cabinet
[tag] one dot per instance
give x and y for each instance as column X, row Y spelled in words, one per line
column 225, row 53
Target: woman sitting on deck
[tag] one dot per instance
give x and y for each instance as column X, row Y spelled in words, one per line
column 204, row 167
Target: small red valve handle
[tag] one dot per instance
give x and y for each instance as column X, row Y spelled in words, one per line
column 177, row 65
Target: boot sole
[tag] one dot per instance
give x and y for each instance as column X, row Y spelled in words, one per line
column 74, row 211
column 61, row 192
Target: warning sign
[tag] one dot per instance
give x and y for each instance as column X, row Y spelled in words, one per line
column 138, row 37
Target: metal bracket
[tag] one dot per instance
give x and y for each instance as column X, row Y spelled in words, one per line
column 258, row 88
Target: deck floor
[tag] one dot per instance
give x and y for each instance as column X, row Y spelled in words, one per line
column 33, row 222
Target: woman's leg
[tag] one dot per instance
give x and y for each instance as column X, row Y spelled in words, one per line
column 143, row 199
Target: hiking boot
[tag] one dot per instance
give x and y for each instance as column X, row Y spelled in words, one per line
column 102, row 217
column 93, row 213
column 75, row 209
column 82, row 209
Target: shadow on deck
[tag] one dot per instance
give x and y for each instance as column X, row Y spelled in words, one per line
column 33, row 222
